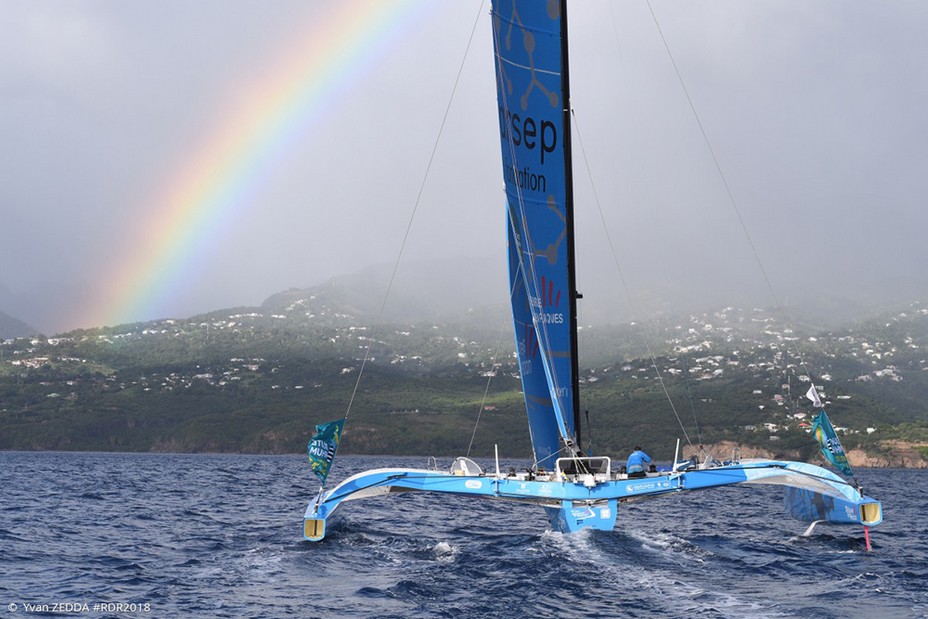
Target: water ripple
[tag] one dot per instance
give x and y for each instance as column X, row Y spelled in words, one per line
column 205, row 536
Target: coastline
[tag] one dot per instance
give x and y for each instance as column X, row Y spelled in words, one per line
column 896, row 455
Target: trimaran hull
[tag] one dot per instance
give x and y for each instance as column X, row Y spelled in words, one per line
column 575, row 502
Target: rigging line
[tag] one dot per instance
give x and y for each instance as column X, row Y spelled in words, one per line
column 589, row 431
column 628, row 294
column 415, row 208
column 486, row 390
column 689, row 395
column 728, row 191
column 625, row 288
column 499, row 345
column 715, row 160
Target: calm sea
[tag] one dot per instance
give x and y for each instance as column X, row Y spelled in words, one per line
column 220, row 536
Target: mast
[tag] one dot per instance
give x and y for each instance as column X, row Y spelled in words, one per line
column 569, row 209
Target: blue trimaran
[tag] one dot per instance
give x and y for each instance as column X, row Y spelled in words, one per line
column 577, row 490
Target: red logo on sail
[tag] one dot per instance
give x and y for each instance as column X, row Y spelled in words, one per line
column 548, row 298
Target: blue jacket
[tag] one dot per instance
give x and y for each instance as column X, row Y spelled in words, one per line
column 636, row 461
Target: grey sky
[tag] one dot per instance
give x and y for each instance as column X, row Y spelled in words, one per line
column 815, row 111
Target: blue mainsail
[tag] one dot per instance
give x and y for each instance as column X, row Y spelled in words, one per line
column 534, row 132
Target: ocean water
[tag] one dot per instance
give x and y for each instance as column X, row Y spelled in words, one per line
column 152, row 535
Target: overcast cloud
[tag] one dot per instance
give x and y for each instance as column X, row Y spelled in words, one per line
column 815, row 112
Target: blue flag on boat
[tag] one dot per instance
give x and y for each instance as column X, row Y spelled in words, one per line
column 831, row 446
column 322, row 447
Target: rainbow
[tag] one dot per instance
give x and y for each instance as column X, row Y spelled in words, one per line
column 211, row 187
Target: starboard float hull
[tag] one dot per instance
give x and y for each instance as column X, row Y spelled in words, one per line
column 591, row 501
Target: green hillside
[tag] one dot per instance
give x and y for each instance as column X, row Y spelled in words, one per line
column 257, row 380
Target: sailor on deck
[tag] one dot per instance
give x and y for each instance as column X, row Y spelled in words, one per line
column 636, row 461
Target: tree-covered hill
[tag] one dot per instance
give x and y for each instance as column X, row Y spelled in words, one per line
column 258, row 379
column 12, row 327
